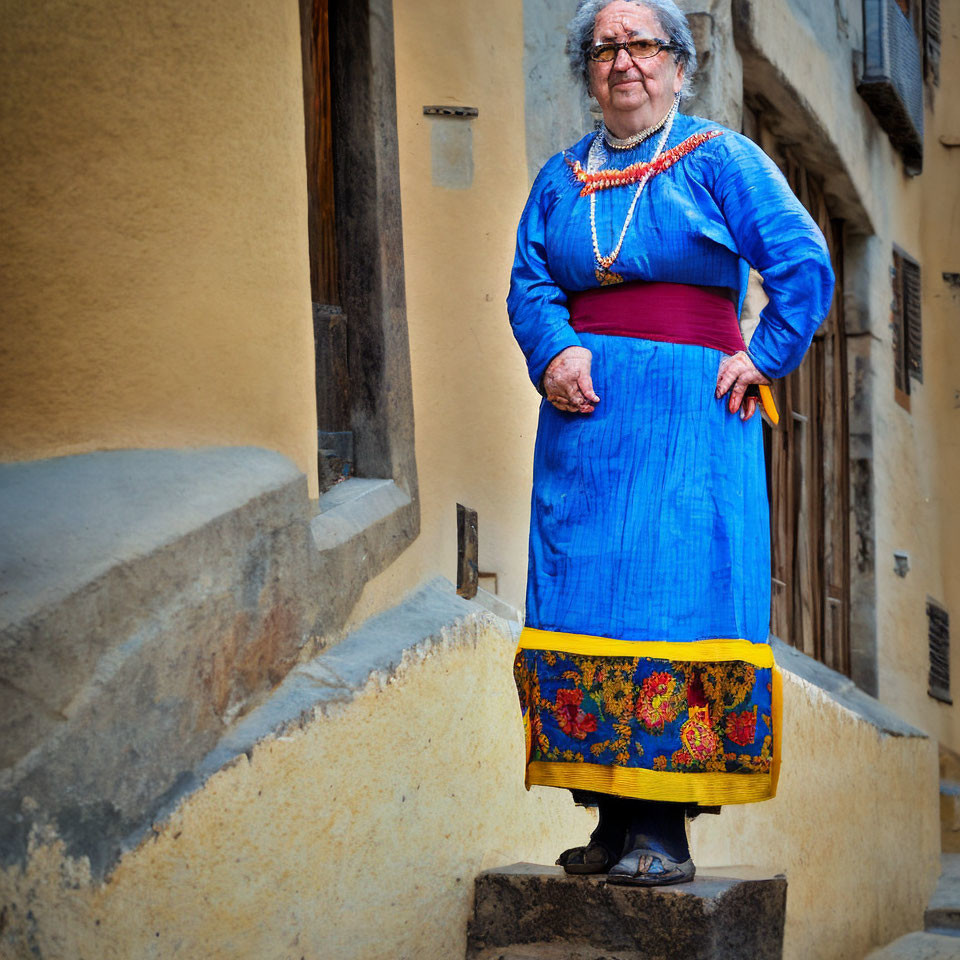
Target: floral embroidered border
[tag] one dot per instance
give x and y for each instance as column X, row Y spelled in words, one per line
column 649, row 715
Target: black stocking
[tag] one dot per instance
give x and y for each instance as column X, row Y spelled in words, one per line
column 658, row 826
column 625, row 825
column 611, row 830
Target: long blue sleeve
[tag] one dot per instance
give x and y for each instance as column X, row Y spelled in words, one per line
column 537, row 306
column 776, row 236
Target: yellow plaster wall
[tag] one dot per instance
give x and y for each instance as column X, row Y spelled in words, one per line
column 354, row 838
column 156, row 285
column 357, row 835
column 475, row 409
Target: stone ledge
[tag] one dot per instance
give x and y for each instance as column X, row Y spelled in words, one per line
column 919, row 946
column 726, row 913
column 373, row 654
column 160, row 593
column 943, row 913
column 842, row 690
column 67, row 521
column 153, row 597
column 349, row 508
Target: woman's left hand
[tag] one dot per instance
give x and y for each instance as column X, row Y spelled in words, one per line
column 736, row 373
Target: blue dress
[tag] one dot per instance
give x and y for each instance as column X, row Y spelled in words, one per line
column 644, row 668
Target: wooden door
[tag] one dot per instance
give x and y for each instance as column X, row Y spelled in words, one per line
column 808, row 460
column 330, row 328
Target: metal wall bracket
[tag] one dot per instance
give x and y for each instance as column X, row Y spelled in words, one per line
column 445, row 111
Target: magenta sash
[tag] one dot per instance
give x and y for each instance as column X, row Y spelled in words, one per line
column 670, row 312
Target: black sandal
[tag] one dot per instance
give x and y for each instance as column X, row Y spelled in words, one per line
column 650, row 868
column 591, row 859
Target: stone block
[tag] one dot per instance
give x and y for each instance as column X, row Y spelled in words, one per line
column 531, row 910
column 155, row 596
column 152, row 600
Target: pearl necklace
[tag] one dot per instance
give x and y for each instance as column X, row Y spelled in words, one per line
column 595, row 160
column 628, row 143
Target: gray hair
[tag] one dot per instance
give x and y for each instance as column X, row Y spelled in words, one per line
column 672, row 20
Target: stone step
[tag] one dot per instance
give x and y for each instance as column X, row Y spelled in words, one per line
column 943, row 913
column 533, row 911
column 557, row 951
column 919, row 946
column 949, row 816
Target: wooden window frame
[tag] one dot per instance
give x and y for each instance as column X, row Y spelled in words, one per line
column 365, row 522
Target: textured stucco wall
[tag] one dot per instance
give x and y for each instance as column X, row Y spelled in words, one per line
column 156, row 287
column 356, row 837
column 355, row 834
column 938, row 400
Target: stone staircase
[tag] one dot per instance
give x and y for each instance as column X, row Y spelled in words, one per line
column 940, row 938
column 532, row 912
column 949, row 801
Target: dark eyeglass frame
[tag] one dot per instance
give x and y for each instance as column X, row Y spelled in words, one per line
column 612, row 45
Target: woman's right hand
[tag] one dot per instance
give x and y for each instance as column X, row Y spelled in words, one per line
column 567, row 383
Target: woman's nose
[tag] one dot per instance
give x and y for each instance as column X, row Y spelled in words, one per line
column 623, row 60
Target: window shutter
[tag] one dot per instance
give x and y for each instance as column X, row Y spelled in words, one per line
column 900, row 379
column 911, row 319
column 931, row 40
column 938, row 628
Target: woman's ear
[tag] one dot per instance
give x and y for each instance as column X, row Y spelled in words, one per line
column 678, row 79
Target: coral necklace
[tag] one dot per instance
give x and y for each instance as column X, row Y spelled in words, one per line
column 595, row 161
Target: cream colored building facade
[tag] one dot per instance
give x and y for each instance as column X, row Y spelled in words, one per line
column 248, row 717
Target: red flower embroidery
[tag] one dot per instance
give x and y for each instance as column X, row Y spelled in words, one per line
column 742, row 727
column 657, row 705
column 573, row 721
column 697, row 736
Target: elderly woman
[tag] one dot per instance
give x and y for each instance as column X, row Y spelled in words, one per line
column 646, row 679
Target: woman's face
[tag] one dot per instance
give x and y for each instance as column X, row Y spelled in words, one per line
column 633, row 94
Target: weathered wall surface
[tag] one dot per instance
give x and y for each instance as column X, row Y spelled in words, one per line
column 156, row 286
column 355, row 835
column 940, row 249
column 355, row 828
column 809, row 50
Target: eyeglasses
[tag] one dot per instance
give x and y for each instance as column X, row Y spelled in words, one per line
column 641, row 49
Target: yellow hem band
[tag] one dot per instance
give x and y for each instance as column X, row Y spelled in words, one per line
column 695, row 651
column 709, row 789
column 776, row 724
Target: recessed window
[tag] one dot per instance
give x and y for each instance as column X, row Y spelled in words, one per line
column 906, row 326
